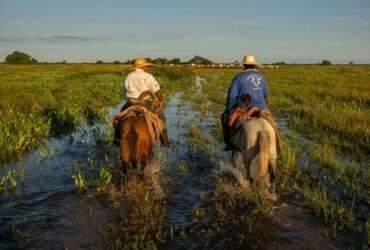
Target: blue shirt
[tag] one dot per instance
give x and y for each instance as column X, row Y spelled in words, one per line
column 249, row 82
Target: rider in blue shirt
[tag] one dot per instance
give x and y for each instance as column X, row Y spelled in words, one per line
column 249, row 82
column 252, row 86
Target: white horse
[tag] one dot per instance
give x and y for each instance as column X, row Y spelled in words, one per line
column 255, row 143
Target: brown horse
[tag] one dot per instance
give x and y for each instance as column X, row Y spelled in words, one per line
column 136, row 147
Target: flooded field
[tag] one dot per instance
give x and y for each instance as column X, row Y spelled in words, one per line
column 69, row 194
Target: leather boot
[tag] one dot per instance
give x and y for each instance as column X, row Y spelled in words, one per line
column 165, row 142
column 226, row 132
column 117, row 135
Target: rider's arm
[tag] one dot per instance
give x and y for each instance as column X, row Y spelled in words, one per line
column 125, row 87
column 232, row 93
column 267, row 101
column 266, row 92
column 160, row 97
column 153, row 85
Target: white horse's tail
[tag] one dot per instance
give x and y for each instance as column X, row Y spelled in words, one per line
column 264, row 141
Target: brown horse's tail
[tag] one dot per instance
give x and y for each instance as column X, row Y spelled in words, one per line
column 136, row 147
column 132, row 138
column 264, row 142
column 128, row 143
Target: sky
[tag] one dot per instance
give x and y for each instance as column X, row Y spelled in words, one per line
column 296, row 31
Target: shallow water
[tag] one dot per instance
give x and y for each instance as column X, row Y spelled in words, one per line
column 46, row 212
column 42, row 212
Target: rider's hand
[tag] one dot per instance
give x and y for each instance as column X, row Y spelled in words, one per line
column 160, row 105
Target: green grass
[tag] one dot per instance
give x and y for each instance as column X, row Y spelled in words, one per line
column 327, row 110
column 328, row 103
column 41, row 101
column 37, row 102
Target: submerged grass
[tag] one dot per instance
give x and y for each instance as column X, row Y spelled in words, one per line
column 140, row 213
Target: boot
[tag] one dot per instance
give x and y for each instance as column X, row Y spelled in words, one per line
column 117, row 135
column 226, row 132
column 165, row 142
column 227, row 141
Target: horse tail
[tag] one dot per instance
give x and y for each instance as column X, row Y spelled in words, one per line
column 132, row 138
column 264, row 142
column 138, row 143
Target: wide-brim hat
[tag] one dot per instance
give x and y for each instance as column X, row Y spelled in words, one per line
column 142, row 62
column 250, row 59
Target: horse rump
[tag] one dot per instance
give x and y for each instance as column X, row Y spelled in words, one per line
column 135, row 147
column 255, row 140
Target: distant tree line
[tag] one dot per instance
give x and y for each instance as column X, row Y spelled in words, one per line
column 162, row 60
column 18, row 57
column 279, row 63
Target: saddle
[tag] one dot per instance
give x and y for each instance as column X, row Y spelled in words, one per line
column 155, row 124
column 243, row 114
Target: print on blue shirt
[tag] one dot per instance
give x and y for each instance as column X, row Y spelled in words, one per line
column 249, row 82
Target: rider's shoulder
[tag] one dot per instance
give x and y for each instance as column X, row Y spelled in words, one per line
column 139, row 73
column 245, row 73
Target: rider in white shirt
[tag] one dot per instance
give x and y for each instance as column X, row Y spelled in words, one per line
column 137, row 85
column 138, row 82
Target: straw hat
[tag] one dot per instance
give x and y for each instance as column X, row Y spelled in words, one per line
column 250, row 59
column 142, row 62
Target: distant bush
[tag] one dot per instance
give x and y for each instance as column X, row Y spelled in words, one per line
column 19, row 58
column 99, row 62
column 160, row 60
column 200, row 60
column 117, row 62
column 326, row 62
column 175, row 61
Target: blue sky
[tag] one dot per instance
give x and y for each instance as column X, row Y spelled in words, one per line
column 286, row 30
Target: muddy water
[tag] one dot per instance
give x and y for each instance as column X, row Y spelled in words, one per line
column 47, row 213
column 184, row 188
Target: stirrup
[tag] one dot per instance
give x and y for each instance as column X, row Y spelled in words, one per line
column 166, row 143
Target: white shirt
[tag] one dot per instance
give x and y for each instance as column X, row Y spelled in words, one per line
column 139, row 81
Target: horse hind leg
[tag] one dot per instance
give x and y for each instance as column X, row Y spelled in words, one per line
column 272, row 176
column 140, row 164
column 124, row 167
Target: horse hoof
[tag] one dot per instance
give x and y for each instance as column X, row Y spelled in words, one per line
column 272, row 197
